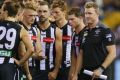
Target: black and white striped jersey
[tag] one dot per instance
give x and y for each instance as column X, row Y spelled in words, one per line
column 76, row 43
column 66, row 43
column 47, row 38
column 33, row 34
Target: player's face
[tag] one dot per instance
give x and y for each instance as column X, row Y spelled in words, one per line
column 43, row 12
column 29, row 16
column 91, row 15
column 57, row 13
column 73, row 20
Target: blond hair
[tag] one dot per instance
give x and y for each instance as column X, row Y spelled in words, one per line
column 30, row 5
column 92, row 4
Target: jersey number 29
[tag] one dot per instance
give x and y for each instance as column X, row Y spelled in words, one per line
column 10, row 37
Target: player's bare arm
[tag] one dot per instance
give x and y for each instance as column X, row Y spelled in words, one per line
column 79, row 64
column 73, row 65
column 22, row 51
column 28, row 44
column 58, row 45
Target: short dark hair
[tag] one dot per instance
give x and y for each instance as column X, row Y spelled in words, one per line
column 12, row 8
column 44, row 3
column 76, row 11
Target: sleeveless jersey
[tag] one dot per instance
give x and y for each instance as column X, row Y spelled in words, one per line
column 48, row 46
column 33, row 33
column 9, row 40
column 66, row 43
column 67, row 33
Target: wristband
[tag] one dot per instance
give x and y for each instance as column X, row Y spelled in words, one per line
column 102, row 67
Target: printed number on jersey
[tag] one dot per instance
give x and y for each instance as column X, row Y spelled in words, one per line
column 8, row 35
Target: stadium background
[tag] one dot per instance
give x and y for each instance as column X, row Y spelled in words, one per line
column 110, row 15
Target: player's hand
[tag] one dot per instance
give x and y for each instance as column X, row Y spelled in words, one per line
column 39, row 56
column 29, row 77
column 52, row 75
column 70, row 76
column 17, row 62
column 75, row 77
column 42, row 57
column 96, row 73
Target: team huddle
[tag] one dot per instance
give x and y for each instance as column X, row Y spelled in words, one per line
column 39, row 41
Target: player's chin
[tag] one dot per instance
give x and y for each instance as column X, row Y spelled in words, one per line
column 31, row 22
column 89, row 21
column 70, row 24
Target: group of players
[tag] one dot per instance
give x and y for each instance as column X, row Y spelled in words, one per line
column 43, row 42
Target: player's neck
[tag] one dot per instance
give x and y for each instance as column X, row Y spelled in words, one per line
column 11, row 19
column 79, row 27
column 94, row 24
column 61, row 23
column 27, row 25
column 44, row 25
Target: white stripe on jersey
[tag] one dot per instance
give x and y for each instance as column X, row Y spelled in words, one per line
column 77, row 47
column 42, row 62
column 35, row 29
column 15, row 76
column 51, row 49
column 30, row 35
column 2, row 60
column 68, row 47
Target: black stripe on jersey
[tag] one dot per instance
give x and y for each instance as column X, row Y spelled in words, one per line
column 37, row 62
column 6, row 60
column 34, row 44
column 34, row 34
column 32, row 31
column 48, row 42
column 66, row 37
column 48, row 34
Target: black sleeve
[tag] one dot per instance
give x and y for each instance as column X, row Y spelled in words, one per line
column 80, row 39
column 108, row 37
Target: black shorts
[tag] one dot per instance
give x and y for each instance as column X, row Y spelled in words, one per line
column 40, row 75
column 7, row 71
column 20, row 75
column 32, row 70
column 63, row 74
